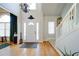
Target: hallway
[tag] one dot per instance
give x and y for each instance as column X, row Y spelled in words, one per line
column 43, row 49
column 57, row 23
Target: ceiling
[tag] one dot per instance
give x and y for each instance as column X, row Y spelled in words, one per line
column 49, row 9
column 52, row 9
column 2, row 10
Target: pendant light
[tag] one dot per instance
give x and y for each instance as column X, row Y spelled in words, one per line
column 25, row 8
column 31, row 17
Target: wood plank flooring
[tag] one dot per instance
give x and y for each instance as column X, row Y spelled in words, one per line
column 43, row 49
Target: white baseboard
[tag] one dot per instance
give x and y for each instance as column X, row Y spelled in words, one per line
column 55, row 48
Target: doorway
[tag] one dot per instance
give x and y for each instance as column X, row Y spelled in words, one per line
column 31, row 31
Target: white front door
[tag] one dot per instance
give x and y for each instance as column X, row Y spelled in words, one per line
column 31, row 31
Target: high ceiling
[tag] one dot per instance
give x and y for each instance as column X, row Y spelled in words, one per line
column 54, row 9
column 2, row 10
column 49, row 9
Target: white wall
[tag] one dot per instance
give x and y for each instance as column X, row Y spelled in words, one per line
column 71, row 40
column 66, row 8
column 37, row 14
column 47, row 36
column 43, row 22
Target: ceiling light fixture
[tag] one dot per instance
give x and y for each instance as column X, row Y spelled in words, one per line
column 25, row 8
column 31, row 17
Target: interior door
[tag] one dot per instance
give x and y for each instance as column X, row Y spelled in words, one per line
column 31, row 31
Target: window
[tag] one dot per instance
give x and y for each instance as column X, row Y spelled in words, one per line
column 24, row 31
column 50, row 27
column 4, row 18
column 7, row 29
column 1, row 29
column 4, row 25
column 31, row 23
column 37, row 31
column 32, row 6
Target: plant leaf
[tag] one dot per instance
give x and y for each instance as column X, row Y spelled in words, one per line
column 62, row 52
column 75, row 53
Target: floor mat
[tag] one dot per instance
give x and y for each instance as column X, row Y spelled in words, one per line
column 29, row 45
column 4, row 45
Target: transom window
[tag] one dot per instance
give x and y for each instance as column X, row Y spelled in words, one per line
column 32, row 6
column 4, row 18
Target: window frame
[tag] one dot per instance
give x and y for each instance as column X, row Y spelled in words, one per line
column 50, row 28
column 5, row 26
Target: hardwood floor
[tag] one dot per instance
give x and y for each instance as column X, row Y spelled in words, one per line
column 43, row 49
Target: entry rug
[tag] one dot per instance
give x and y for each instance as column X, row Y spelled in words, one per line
column 29, row 45
column 4, row 45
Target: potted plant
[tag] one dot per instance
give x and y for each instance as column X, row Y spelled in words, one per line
column 65, row 53
column 59, row 19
